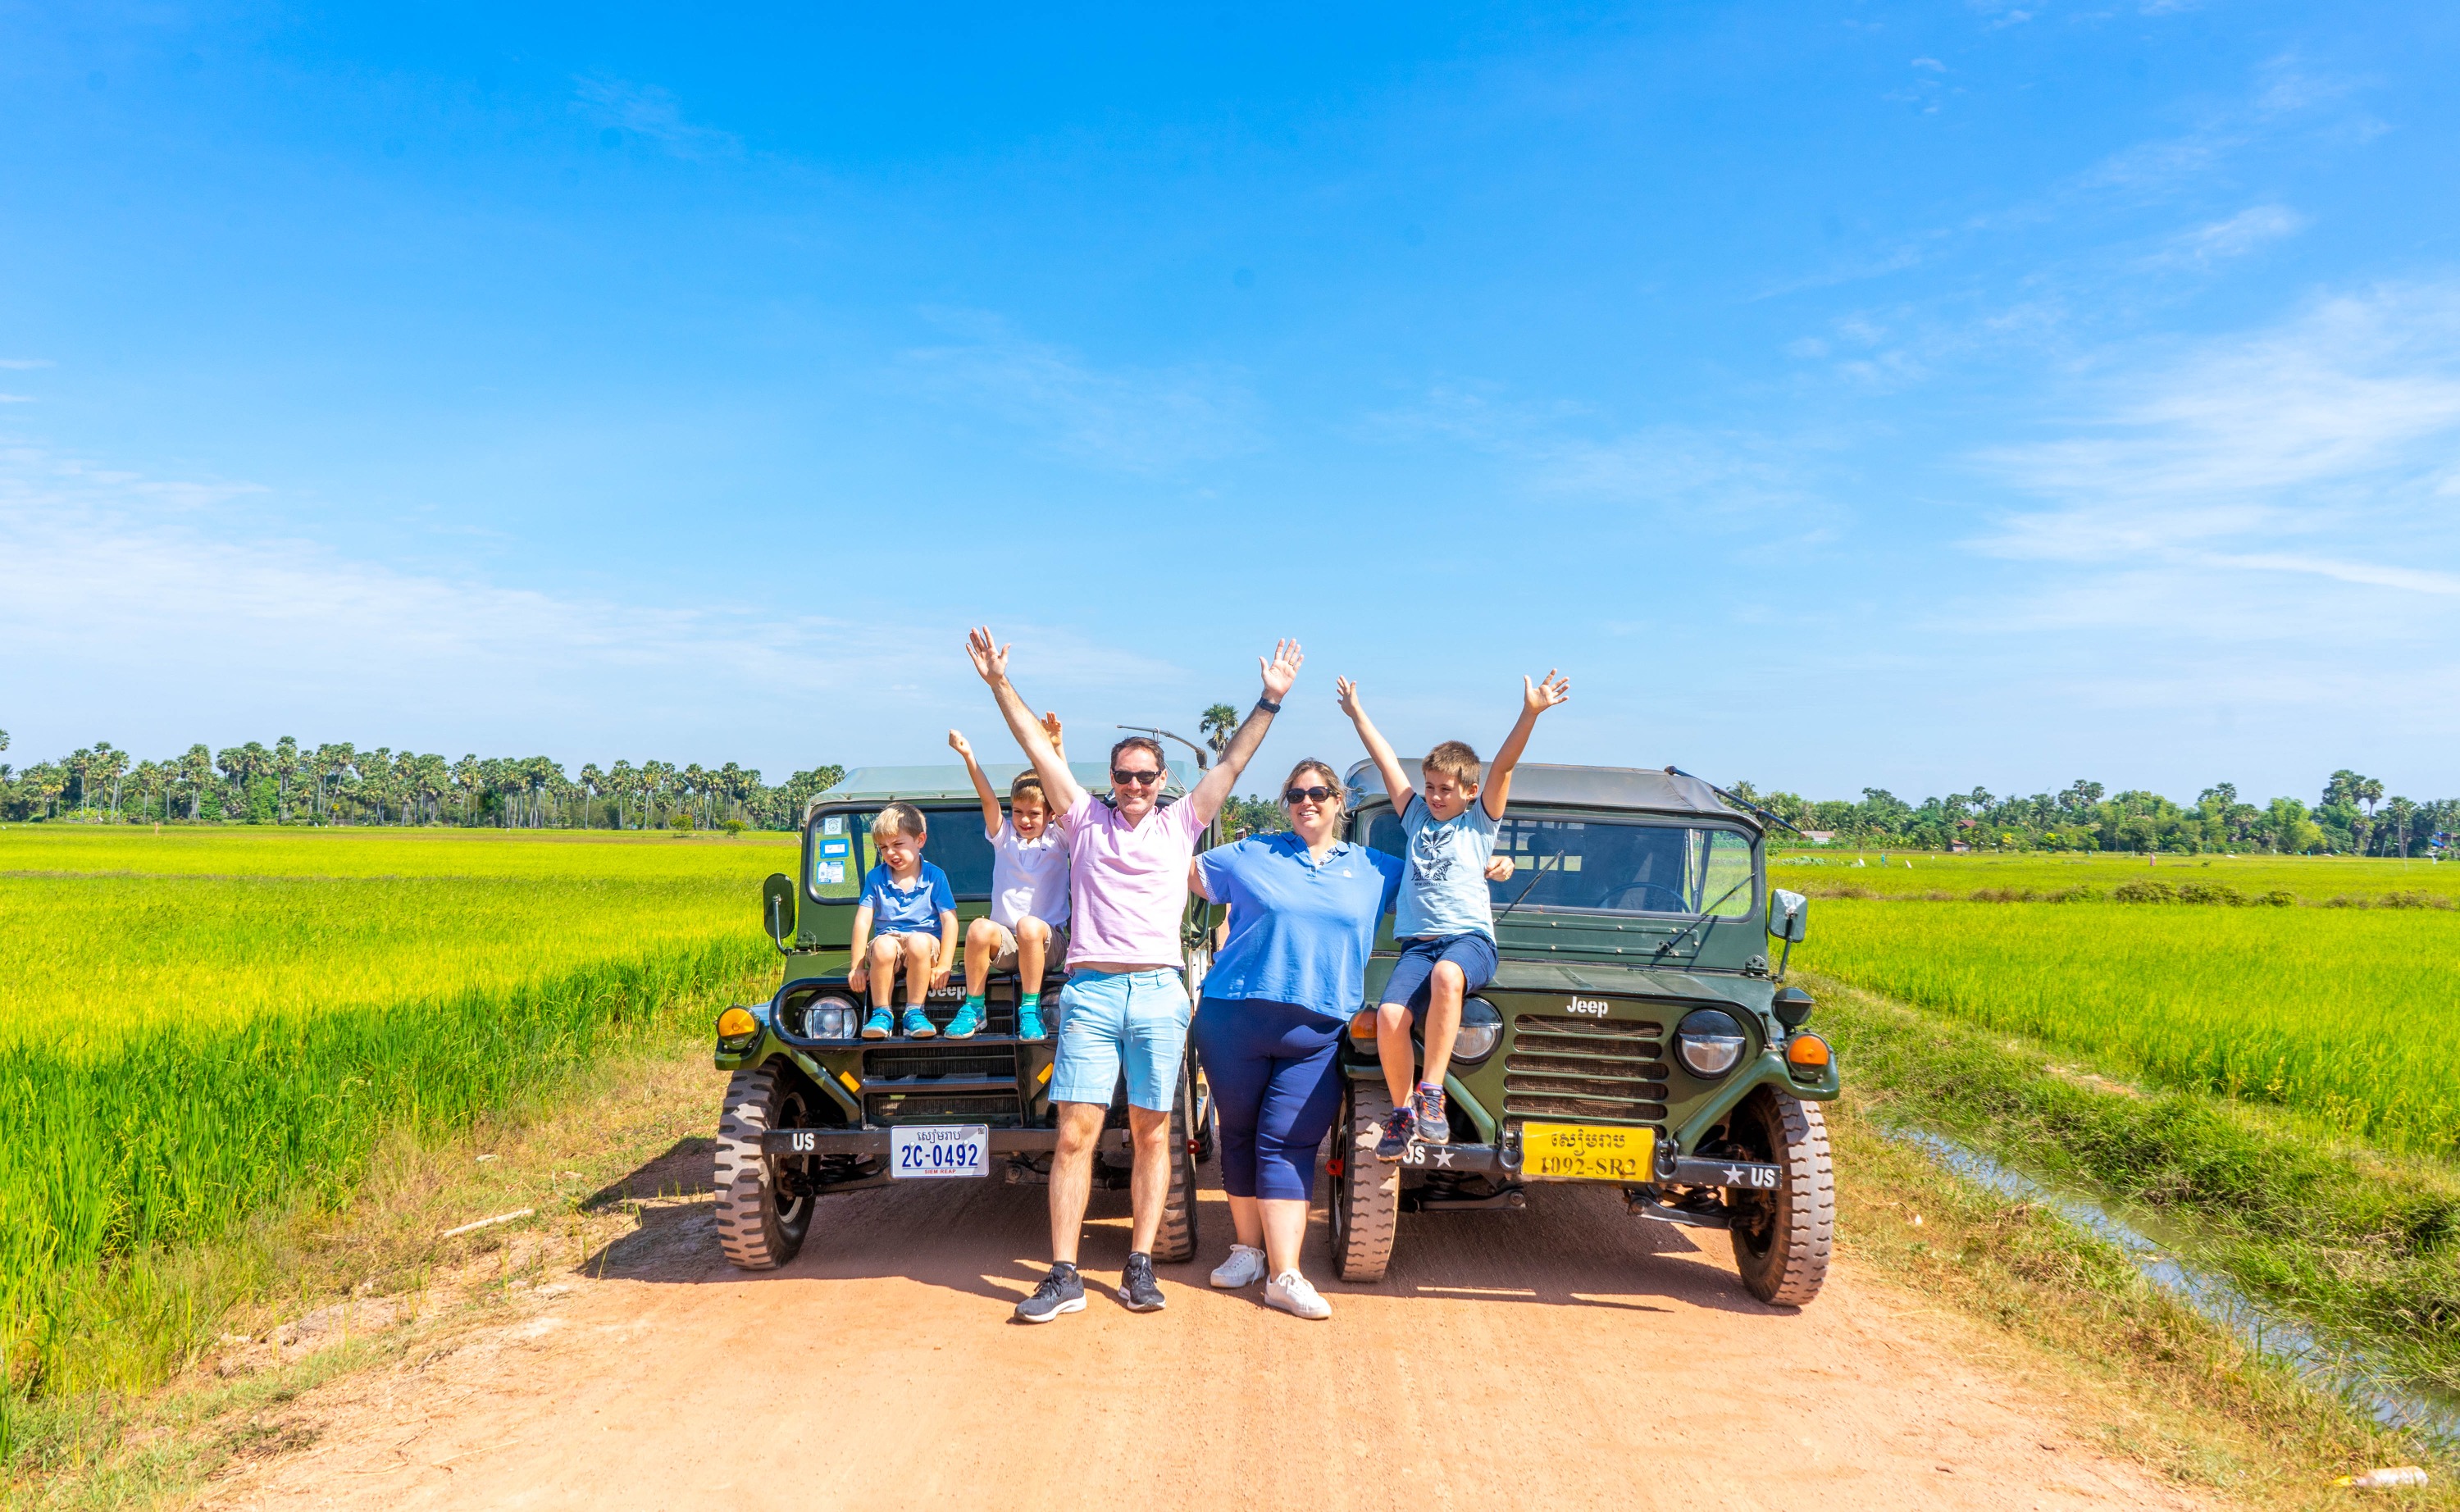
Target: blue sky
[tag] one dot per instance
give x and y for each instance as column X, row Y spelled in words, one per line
column 1912, row 396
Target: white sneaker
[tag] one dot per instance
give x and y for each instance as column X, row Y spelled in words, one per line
column 1290, row 1292
column 1245, row 1268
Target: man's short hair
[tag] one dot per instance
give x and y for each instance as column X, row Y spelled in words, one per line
column 1141, row 743
column 902, row 818
column 1455, row 759
column 1027, row 783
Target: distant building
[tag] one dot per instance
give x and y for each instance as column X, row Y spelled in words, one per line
column 1819, row 836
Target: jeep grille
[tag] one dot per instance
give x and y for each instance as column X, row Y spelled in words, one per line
column 958, row 1059
column 1612, row 1070
column 999, row 1111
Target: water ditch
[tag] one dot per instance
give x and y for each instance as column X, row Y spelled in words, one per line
column 2352, row 1374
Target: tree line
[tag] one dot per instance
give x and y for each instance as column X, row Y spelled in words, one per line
column 2352, row 817
column 291, row 783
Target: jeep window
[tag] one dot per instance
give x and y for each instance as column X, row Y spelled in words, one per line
column 1614, row 865
column 842, row 852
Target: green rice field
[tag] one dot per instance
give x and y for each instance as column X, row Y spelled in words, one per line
column 198, row 1023
column 2314, row 880
column 2344, row 1014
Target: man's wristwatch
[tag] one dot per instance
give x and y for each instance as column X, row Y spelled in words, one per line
column 1269, row 705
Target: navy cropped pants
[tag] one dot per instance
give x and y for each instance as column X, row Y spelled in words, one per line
column 1275, row 1088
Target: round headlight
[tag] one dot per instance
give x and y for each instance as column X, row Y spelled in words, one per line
column 831, row 1017
column 1709, row 1042
column 1481, row 1026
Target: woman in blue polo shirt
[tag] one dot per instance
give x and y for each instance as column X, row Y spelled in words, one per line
column 1303, row 911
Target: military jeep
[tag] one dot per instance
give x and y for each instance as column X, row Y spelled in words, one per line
column 1635, row 1033
column 814, row 1110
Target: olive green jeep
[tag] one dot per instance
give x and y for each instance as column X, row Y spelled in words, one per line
column 1634, row 1034
column 814, row 1110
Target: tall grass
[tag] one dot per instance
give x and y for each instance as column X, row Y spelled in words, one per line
column 2345, row 1015
column 177, row 1052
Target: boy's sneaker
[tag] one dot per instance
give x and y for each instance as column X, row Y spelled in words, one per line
column 1063, row 1291
column 1433, row 1127
column 1028, row 1021
column 1245, row 1268
column 1398, row 1131
column 1290, row 1292
column 879, row 1025
column 1137, row 1287
column 968, row 1020
column 918, row 1025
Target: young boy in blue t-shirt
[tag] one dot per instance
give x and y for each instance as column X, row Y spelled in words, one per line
column 907, row 900
column 1445, row 920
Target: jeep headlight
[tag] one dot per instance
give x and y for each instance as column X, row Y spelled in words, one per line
column 1482, row 1028
column 831, row 1017
column 1709, row 1042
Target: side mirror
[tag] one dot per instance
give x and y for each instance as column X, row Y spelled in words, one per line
column 777, row 909
column 1789, row 916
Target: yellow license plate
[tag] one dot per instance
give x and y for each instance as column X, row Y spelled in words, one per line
column 1587, row 1151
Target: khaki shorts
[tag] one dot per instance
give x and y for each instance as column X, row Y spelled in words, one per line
column 1004, row 958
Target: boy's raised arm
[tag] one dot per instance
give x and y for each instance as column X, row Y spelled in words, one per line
column 1215, row 790
column 991, row 661
column 1388, row 766
column 982, row 788
column 1535, row 698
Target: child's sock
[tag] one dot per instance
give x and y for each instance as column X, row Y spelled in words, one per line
column 1031, row 1002
column 974, row 1001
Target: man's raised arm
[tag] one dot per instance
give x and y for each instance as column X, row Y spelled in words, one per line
column 1278, row 673
column 991, row 660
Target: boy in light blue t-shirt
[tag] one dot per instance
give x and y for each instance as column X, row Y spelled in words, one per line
column 1444, row 920
column 907, row 900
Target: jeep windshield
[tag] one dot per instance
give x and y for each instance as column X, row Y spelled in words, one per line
column 1612, row 865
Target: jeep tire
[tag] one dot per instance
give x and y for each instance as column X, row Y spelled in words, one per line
column 1365, row 1191
column 758, row 1226
column 1175, row 1240
column 1782, row 1238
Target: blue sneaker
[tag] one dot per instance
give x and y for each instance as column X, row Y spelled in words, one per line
column 1028, row 1021
column 918, row 1025
column 968, row 1020
column 877, row 1026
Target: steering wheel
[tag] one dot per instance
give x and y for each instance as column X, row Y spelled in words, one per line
column 1637, row 897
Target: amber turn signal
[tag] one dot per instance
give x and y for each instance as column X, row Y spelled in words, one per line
column 1807, row 1051
column 736, row 1022
column 1362, row 1027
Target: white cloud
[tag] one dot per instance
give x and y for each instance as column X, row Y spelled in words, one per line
column 25, row 362
column 134, row 602
column 16, row 398
column 2251, row 228
column 2285, row 487
column 646, row 110
column 1143, row 421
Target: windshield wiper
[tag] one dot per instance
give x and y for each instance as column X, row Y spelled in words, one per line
column 1707, row 916
column 1534, row 872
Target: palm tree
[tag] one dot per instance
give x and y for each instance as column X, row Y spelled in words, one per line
column 1216, row 725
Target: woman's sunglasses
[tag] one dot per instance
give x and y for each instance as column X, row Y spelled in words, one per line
column 1121, row 775
column 1311, row 795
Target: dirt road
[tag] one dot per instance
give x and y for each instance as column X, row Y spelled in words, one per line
column 1565, row 1356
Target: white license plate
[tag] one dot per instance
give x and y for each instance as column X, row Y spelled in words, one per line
column 933, row 1150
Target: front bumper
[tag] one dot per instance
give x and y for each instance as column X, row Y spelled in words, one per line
column 1503, row 1162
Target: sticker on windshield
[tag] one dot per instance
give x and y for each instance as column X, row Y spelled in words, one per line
column 834, row 824
column 829, row 873
column 834, row 847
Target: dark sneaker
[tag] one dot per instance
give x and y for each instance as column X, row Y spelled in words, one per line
column 968, row 1020
column 879, row 1025
column 1398, row 1131
column 1433, row 1127
column 1137, row 1287
column 1063, row 1291
column 1028, row 1021
column 918, row 1025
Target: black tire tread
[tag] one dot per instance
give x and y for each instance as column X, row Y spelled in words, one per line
column 1369, row 1190
column 748, row 1227
column 1175, row 1237
column 1795, row 1266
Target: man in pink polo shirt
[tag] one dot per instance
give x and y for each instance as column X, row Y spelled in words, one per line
column 1125, row 1005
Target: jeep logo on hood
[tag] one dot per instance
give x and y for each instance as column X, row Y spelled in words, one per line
column 1584, row 1005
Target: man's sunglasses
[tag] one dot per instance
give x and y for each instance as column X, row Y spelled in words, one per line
column 1123, row 776
column 1312, row 794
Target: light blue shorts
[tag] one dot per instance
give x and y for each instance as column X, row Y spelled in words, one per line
column 1110, row 1020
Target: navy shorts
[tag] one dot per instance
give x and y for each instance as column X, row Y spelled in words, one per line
column 1413, row 974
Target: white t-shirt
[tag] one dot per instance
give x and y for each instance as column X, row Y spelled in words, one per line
column 1029, row 877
